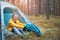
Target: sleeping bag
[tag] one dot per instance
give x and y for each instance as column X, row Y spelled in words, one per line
column 33, row 28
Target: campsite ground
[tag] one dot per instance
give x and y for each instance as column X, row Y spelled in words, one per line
column 50, row 29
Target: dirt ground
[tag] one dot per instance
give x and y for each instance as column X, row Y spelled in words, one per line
column 50, row 29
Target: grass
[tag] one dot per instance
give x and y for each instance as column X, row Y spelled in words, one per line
column 53, row 23
column 42, row 22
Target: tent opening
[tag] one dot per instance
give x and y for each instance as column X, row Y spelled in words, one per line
column 7, row 15
column 8, row 12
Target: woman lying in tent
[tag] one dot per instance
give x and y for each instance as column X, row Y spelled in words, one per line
column 15, row 26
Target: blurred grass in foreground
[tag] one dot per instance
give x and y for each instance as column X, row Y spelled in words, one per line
column 53, row 23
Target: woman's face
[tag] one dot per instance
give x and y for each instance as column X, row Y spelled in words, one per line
column 15, row 17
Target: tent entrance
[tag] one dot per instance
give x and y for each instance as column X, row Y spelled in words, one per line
column 8, row 12
column 7, row 15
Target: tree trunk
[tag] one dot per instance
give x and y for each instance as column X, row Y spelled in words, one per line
column 47, row 9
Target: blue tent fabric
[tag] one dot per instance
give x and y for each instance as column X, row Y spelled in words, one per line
column 7, row 16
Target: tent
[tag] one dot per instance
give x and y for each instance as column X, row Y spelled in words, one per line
column 7, row 10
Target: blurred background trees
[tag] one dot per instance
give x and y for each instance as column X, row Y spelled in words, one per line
column 37, row 7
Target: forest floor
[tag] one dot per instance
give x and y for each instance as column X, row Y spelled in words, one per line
column 49, row 27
